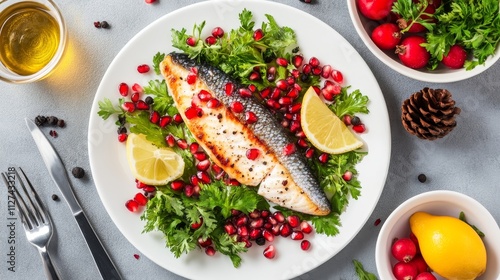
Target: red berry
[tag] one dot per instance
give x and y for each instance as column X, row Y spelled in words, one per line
column 375, row 9
column 404, row 271
column 132, row 205
column 337, row 76
column 143, row 68
column 425, row 276
column 204, row 95
column 455, row 58
column 270, row 252
column 419, row 263
column 141, row 105
column 305, row 245
column 404, row 250
column 386, row 36
column 411, row 53
column 170, row 140
column 135, row 97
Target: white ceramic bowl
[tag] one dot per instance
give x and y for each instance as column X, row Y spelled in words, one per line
column 438, row 203
column 443, row 74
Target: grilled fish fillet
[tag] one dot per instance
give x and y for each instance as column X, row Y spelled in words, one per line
column 226, row 137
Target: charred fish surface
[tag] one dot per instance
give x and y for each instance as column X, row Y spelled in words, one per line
column 226, row 136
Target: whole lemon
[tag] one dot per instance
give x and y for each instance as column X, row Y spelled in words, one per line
column 449, row 246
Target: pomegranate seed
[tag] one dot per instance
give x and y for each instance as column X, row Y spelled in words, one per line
column 177, row 185
column 314, row 62
column 203, row 176
column 265, row 93
column 305, row 227
column 217, row 32
column 201, row 156
column 309, row 153
column 295, row 126
column 245, row 92
column 306, row 69
column 377, row 222
column 305, row 245
column 141, row 199
column 128, row 106
column 137, row 88
column 229, row 229
column 252, row 154
column 347, row 176
column 257, row 223
column 132, row 205
column 323, row 158
column 135, row 97
column 217, row 169
column 181, row 143
column 255, row 214
column 254, row 233
column 170, row 139
column 285, row 123
column 229, row 88
column 272, row 220
column 122, row 137
column 290, row 80
column 273, row 104
column 316, row 71
column 235, row 212
column 154, row 117
column 241, row 221
column 254, row 76
column 328, row 95
column 265, row 213
column 276, row 229
column 270, row 252
column 251, row 117
column 337, row 76
column 258, row 34
column 141, row 105
column 271, row 74
column 149, row 189
column 178, row 118
column 297, row 60
column 293, row 94
column 297, row 87
column 140, row 184
column 191, row 41
column 143, row 68
column 193, row 112
column 189, row 190
column 210, row 251
column 242, row 231
column 285, row 230
column 136, row 256
column 360, row 128
column 347, row 120
column 326, row 71
column 194, row 180
column 123, row 89
column 302, row 143
column 297, row 235
column 317, row 90
column 285, row 100
column 281, row 62
column 193, row 147
column 191, row 78
column 164, row 121
column 204, row 242
column 233, row 182
column 280, row 218
column 282, row 84
column 203, row 165
column 268, row 235
column 268, row 226
column 289, row 149
column 276, row 94
column 196, row 190
column 295, row 73
column 295, row 108
column 237, row 107
column 204, row 95
column 293, row 220
column 196, row 226
column 213, row 103
column 210, row 40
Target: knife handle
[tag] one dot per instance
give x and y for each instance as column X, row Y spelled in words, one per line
column 104, row 264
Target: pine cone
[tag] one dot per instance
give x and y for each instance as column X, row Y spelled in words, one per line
column 429, row 114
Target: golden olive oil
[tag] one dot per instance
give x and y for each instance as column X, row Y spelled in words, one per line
column 29, row 37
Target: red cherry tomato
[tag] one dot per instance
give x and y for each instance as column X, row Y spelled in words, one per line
column 375, row 9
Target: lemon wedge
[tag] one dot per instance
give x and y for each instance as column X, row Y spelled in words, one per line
column 150, row 164
column 323, row 128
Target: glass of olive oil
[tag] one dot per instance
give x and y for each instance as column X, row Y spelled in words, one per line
column 32, row 39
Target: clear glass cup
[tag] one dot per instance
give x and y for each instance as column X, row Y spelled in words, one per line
column 32, row 39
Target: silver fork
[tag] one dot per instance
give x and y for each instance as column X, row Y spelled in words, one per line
column 35, row 219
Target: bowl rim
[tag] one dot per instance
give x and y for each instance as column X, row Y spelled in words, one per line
column 452, row 75
column 415, row 201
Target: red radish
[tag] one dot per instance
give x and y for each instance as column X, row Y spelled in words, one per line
column 455, row 58
column 375, row 9
column 415, row 240
column 404, row 250
column 270, row 252
column 425, row 276
column 419, row 263
column 404, row 271
column 411, row 53
column 386, row 36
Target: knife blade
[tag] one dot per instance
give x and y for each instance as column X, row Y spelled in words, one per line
column 60, row 177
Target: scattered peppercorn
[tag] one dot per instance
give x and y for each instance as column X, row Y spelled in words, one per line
column 149, row 100
column 55, row 197
column 422, row 178
column 306, row 1
column 52, row 120
column 105, row 24
column 40, row 120
column 121, row 130
column 355, row 121
column 122, row 119
column 53, row 133
column 78, row 172
column 61, row 123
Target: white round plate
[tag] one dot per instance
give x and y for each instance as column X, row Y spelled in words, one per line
column 115, row 184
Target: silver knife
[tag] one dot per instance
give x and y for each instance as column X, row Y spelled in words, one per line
column 60, row 176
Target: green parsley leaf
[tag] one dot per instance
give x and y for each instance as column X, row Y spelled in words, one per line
column 107, row 109
column 362, row 273
column 350, row 103
column 157, row 59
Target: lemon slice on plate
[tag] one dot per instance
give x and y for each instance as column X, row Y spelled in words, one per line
column 323, row 128
column 150, row 164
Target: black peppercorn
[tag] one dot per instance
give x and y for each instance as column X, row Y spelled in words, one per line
column 55, row 197
column 121, row 130
column 355, row 120
column 149, row 100
column 104, row 24
column 40, row 120
column 422, row 178
column 61, row 123
column 260, row 241
column 78, row 172
column 52, row 120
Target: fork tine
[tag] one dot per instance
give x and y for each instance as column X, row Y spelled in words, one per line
column 21, row 206
column 36, row 203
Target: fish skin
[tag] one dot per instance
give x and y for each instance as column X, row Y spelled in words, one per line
column 287, row 180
